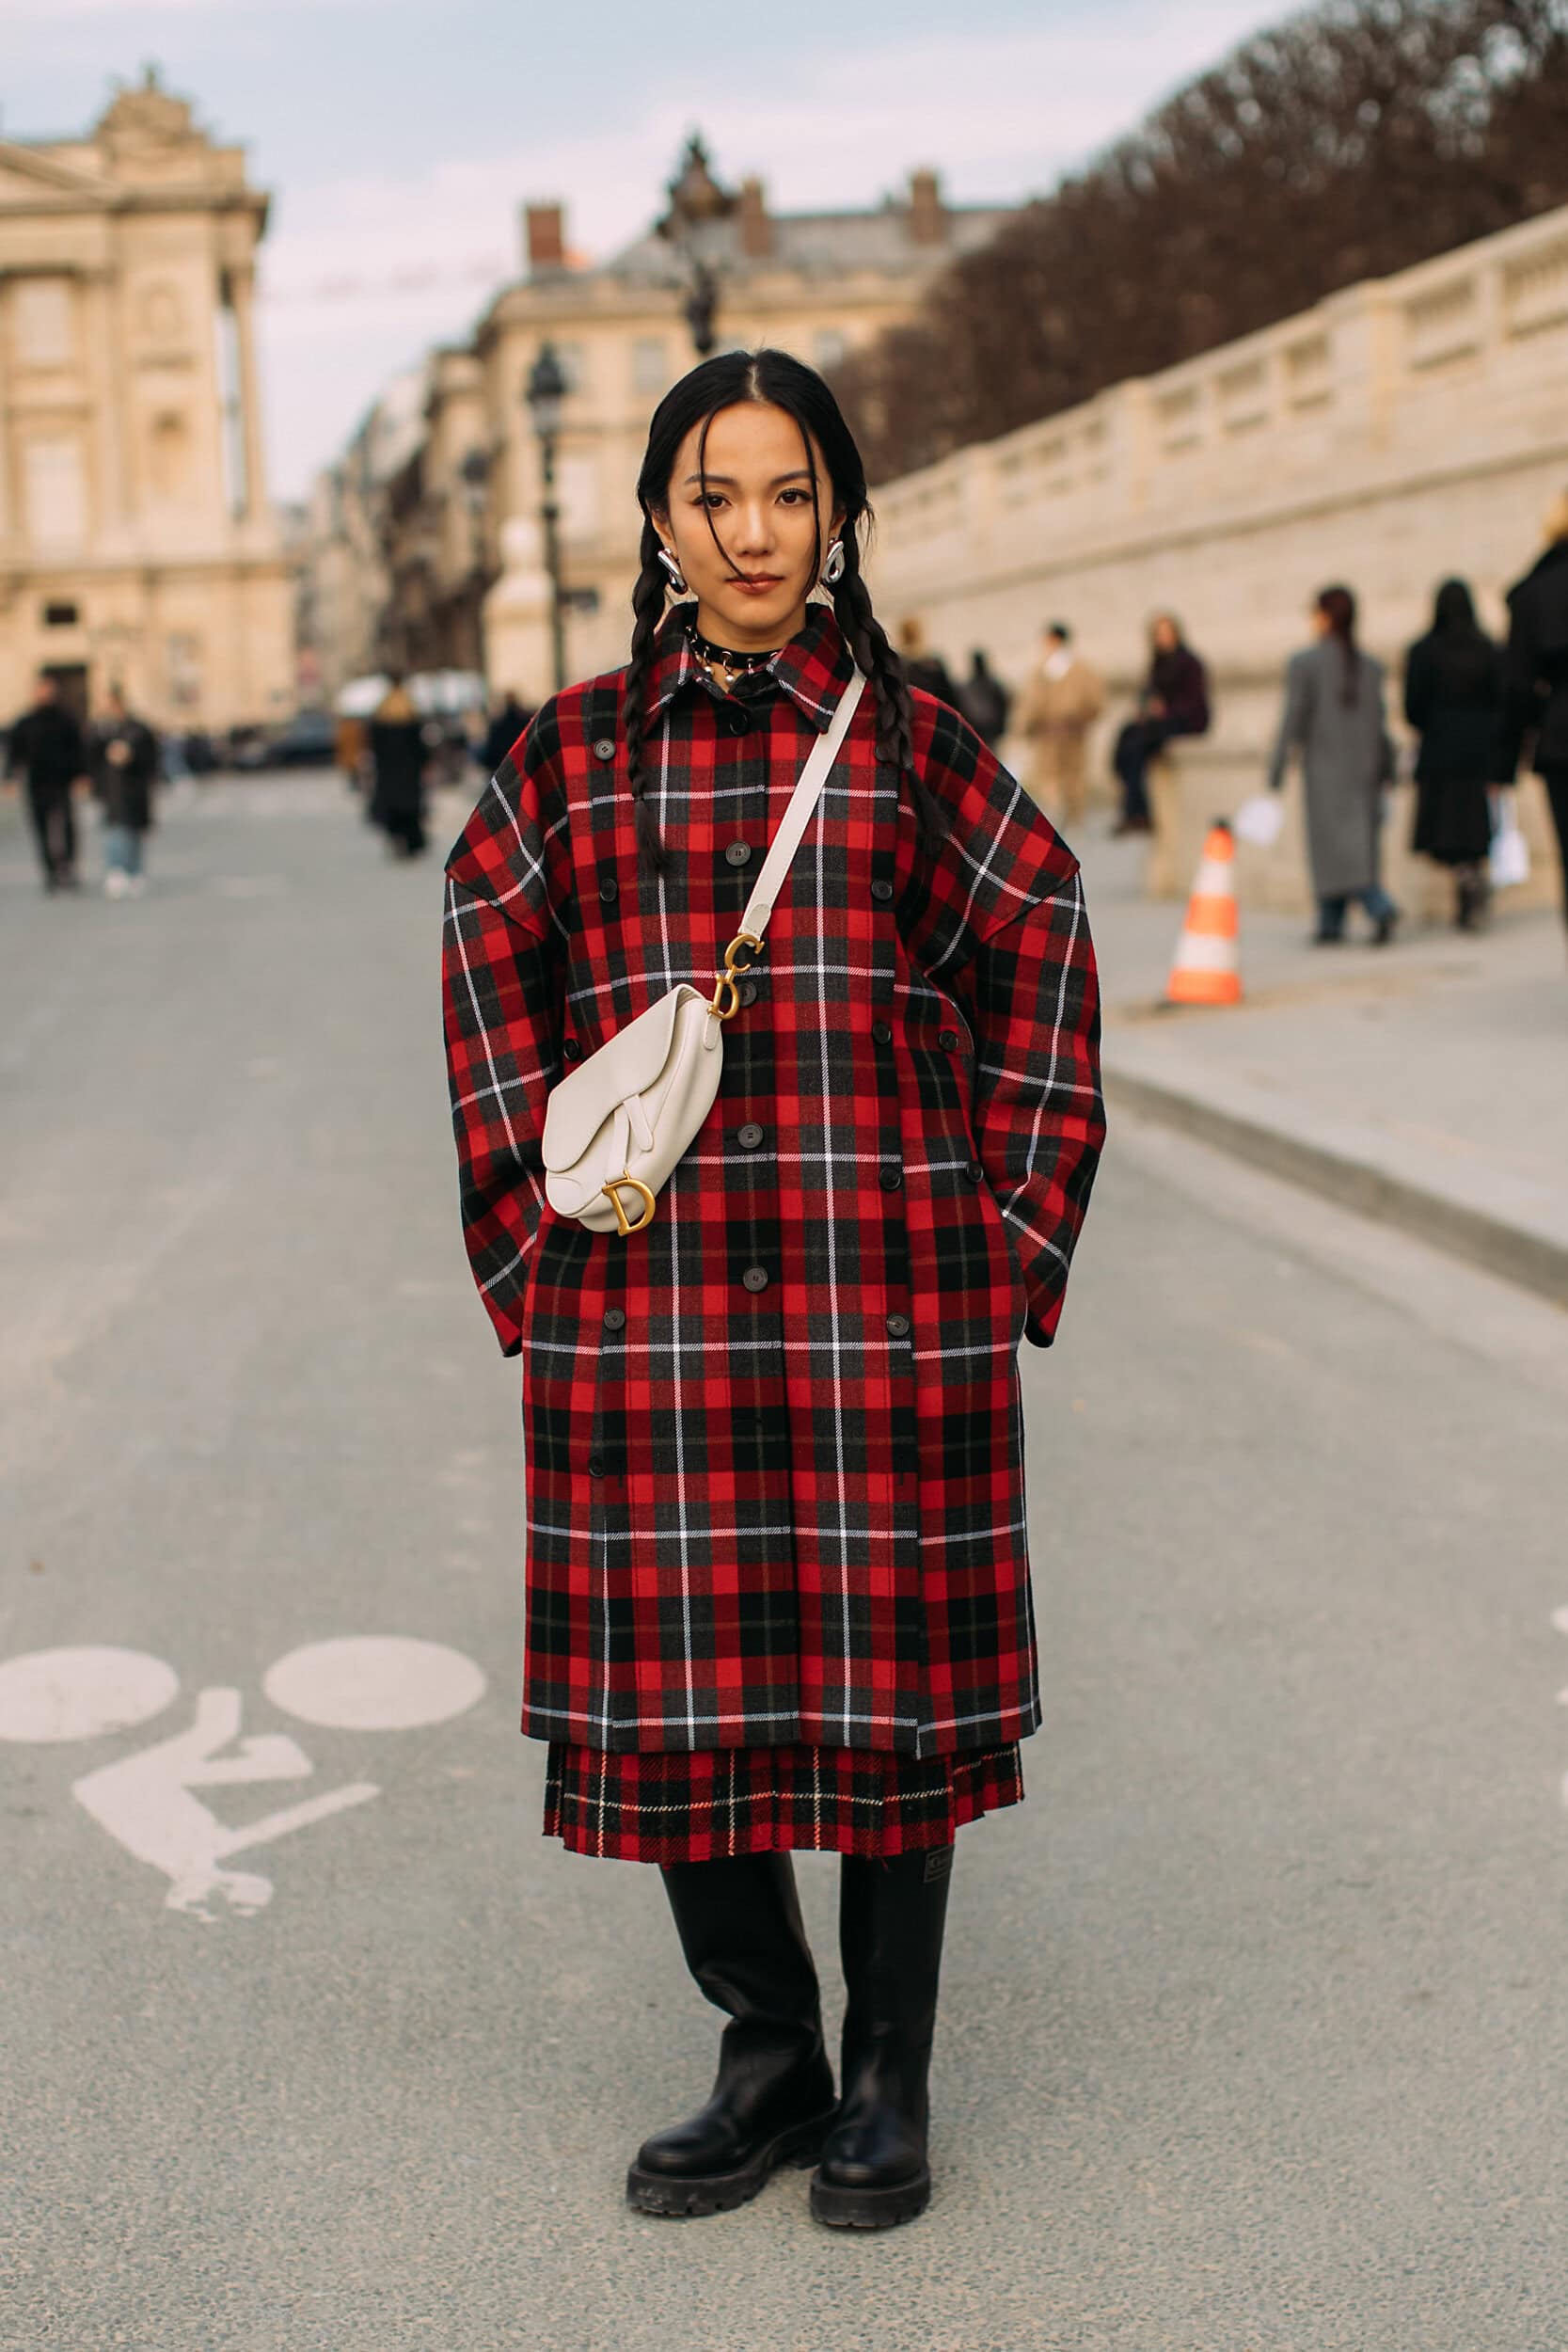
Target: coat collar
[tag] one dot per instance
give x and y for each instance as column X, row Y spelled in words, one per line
column 813, row 669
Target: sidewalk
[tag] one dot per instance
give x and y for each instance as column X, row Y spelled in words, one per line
column 1425, row 1083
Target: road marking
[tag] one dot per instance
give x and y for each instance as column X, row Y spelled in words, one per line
column 145, row 1803
column 375, row 1682
column 51, row 1694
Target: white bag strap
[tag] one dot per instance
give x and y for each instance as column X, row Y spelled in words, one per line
column 797, row 815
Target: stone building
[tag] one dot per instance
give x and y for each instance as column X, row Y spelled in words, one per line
column 136, row 541
column 460, row 526
column 1402, row 431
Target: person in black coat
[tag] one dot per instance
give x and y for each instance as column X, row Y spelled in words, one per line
column 508, row 725
column 123, row 758
column 1453, row 698
column 984, row 701
column 925, row 669
column 1536, row 709
column 45, row 749
column 1174, row 701
column 398, row 756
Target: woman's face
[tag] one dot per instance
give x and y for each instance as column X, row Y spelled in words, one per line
column 744, row 530
column 1164, row 634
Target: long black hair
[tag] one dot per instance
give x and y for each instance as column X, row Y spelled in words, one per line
column 786, row 383
column 1337, row 607
column 1466, row 655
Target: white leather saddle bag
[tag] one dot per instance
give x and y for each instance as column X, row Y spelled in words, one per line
column 617, row 1125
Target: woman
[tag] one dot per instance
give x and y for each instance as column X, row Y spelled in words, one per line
column 778, row 1589
column 1537, row 677
column 1453, row 693
column 125, row 769
column 398, row 758
column 1174, row 701
column 1334, row 717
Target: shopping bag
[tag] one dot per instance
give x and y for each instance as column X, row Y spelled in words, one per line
column 1509, row 858
column 1258, row 821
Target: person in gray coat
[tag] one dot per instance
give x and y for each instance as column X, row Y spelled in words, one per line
column 1335, row 718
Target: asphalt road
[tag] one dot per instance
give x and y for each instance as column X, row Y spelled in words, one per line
column 1254, row 2034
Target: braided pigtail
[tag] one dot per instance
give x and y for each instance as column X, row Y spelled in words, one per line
column 647, row 604
column 867, row 641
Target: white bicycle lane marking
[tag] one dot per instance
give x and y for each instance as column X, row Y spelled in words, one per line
column 146, row 1801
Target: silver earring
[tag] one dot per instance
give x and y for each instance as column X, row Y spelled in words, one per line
column 671, row 565
column 836, row 566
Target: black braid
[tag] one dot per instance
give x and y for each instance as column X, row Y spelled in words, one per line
column 647, row 604
column 867, row 641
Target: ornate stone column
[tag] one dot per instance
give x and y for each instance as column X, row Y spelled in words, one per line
column 240, row 288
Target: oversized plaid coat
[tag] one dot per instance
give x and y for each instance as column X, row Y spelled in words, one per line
column 774, row 1485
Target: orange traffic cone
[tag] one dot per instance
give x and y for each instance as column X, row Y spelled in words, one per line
column 1207, row 970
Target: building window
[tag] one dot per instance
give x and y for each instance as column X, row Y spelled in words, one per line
column 573, row 365
column 168, row 455
column 43, row 321
column 578, row 480
column 55, row 494
column 828, row 349
column 183, row 653
column 59, row 616
column 650, row 363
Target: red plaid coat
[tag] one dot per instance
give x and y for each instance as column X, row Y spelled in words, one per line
column 774, row 1445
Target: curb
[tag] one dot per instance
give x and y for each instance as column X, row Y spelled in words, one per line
column 1530, row 1259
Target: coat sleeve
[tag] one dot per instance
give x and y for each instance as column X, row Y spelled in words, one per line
column 1003, row 928
column 1295, row 722
column 508, row 901
column 1039, row 1116
column 1417, row 688
column 1524, row 698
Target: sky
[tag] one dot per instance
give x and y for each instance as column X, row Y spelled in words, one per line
column 399, row 137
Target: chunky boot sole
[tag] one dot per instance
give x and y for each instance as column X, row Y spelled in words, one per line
column 675, row 2198
column 870, row 2208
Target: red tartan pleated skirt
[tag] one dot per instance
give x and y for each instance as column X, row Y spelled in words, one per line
column 706, row 1805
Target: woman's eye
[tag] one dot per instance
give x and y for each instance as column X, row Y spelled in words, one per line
column 796, row 497
column 712, row 499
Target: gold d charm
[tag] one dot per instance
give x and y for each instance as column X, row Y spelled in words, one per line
column 614, row 1189
column 728, row 983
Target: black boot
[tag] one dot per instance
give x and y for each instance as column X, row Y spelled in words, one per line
column 740, row 1928
column 874, row 2170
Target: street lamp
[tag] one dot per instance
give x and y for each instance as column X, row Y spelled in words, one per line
column 474, row 475
column 545, row 394
column 694, row 225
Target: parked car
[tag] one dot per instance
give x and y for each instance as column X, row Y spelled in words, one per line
column 308, row 740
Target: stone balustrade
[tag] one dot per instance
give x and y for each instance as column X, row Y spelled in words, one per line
column 1402, row 431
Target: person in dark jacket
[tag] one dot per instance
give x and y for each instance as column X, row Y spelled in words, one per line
column 507, row 728
column 925, row 669
column 123, row 765
column 1453, row 697
column 45, row 750
column 984, row 701
column 1536, row 679
column 398, row 756
column 1174, row 701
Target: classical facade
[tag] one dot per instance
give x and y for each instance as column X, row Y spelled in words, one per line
column 1400, row 431
column 461, row 562
column 136, row 542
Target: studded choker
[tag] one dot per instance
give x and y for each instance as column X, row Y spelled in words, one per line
column 720, row 656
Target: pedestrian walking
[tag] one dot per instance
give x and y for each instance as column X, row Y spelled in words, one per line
column 1059, row 705
column 1536, row 715
column 398, row 760
column 984, row 701
column 124, row 766
column 46, row 751
column 777, row 1582
column 923, row 669
column 507, row 728
column 1335, row 718
column 1173, row 701
column 1453, row 698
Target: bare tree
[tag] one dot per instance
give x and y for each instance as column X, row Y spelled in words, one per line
column 1351, row 141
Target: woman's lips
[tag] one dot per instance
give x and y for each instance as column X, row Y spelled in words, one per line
column 759, row 587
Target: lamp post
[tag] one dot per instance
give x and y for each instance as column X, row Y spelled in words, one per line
column 545, row 392
column 694, row 225
column 474, row 475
